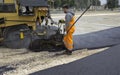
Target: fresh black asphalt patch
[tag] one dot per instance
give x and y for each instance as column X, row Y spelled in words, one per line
column 103, row 63
column 100, row 39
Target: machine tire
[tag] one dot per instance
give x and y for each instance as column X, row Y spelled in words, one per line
column 12, row 37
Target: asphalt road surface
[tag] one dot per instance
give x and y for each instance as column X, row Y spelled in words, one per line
column 104, row 63
column 99, row 39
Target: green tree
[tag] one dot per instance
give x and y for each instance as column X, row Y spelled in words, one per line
column 60, row 3
column 72, row 3
column 77, row 3
column 111, row 4
column 95, row 2
column 57, row 3
column 85, row 3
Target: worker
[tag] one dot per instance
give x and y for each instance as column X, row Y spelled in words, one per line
column 69, row 29
column 46, row 16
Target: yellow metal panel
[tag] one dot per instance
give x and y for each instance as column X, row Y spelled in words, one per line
column 14, row 16
column 21, row 35
column 17, row 20
column 9, row 1
column 43, row 8
column 42, row 11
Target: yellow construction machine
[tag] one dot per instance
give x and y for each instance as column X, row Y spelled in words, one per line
column 19, row 20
